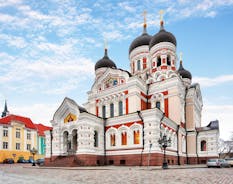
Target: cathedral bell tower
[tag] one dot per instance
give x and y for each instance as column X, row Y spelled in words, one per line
column 139, row 53
column 162, row 50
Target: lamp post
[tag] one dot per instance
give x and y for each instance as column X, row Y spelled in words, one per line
column 14, row 155
column 164, row 143
column 148, row 164
column 33, row 151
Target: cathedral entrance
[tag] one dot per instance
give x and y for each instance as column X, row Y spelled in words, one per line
column 74, row 140
column 66, row 144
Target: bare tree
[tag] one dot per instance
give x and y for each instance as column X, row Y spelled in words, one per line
column 225, row 148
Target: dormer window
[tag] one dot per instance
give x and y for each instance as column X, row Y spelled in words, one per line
column 138, row 65
column 158, row 61
column 169, row 60
column 157, row 105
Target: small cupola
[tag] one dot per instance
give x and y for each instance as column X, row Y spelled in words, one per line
column 105, row 62
column 143, row 39
column 185, row 74
column 162, row 35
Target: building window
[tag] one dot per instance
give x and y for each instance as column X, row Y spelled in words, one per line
column 138, row 65
column 5, row 132
column 104, row 111
column 5, row 145
column 95, row 138
column 113, row 139
column 17, row 133
column 169, row 60
column 28, row 135
column 123, row 138
column 111, row 110
column 115, row 82
column 158, row 61
column 136, row 137
column 28, row 147
column 17, row 147
column 120, row 108
column 203, row 145
column 157, row 105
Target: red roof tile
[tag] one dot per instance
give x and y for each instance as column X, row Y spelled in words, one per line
column 26, row 121
column 41, row 128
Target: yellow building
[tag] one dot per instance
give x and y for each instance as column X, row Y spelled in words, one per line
column 18, row 136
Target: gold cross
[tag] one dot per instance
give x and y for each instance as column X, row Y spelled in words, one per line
column 181, row 54
column 105, row 44
column 144, row 15
column 161, row 12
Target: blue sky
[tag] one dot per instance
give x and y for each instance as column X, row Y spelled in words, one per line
column 48, row 49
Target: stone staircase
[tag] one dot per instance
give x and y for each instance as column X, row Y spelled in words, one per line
column 64, row 161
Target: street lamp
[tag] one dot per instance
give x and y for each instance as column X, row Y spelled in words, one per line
column 164, row 143
column 33, row 151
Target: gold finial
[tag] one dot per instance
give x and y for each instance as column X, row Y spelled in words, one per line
column 105, row 44
column 144, row 15
column 161, row 12
column 181, row 54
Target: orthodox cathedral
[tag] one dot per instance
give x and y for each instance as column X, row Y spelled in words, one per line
column 127, row 113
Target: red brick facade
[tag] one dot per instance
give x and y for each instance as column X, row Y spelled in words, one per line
column 154, row 159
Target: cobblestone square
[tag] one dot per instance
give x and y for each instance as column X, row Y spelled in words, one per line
column 26, row 174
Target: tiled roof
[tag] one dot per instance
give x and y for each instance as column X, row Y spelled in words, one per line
column 41, row 128
column 213, row 125
column 26, row 121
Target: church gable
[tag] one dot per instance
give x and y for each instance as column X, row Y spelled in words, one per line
column 111, row 78
column 68, row 111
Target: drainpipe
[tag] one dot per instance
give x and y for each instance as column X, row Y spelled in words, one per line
column 143, row 143
column 104, row 124
column 197, row 149
column 177, row 134
column 51, row 145
column 185, row 126
column 147, row 92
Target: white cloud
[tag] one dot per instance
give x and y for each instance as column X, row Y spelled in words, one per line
column 44, row 116
column 14, row 41
column 209, row 82
column 211, row 14
column 114, row 35
column 224, row 114
column 4, row 3
column 126, row 6
column 6, row 18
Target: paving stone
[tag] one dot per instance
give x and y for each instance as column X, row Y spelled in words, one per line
column 26, row 174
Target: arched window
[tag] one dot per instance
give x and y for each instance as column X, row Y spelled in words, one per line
column 104, row 111
column 138, row 65
column 203, row 145
column 120, row 108
column 123, row 138
column 169, row 60
column 158, row 61
column 157, row 105
column 111, row 110
column 136, row 137
column 95, row 138
column 113, row 139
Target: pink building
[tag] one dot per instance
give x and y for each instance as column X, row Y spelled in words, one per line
column 127, row 112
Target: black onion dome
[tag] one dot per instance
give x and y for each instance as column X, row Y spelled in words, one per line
column 105, row 62
column 144, row 39
column 184, row 73
column 162, row 36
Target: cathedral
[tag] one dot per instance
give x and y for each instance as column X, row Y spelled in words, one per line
column 128, row 112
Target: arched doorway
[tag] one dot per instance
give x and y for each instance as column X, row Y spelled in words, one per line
column 74, row 140
column 66, row 144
